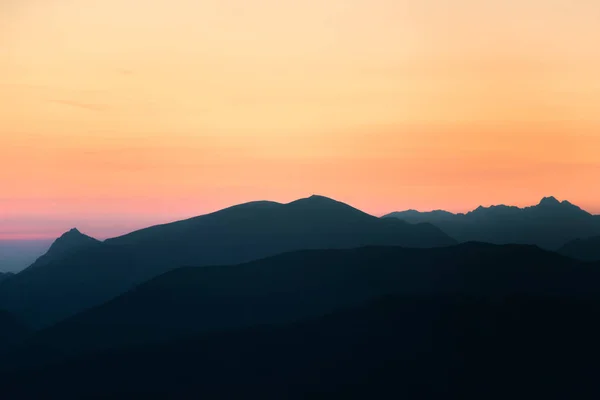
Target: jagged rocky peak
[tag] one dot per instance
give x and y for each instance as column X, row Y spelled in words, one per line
column 550, row 201
column 73, row 232
column 71, row 240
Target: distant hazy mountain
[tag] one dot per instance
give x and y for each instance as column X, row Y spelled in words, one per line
column 16, row 255
column 298, row 285
column 468, row 321
column 63, row 285
column 5, row 275
column 550, row 224
column 583, row 249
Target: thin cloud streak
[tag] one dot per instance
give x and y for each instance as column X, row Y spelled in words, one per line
column 87, row 106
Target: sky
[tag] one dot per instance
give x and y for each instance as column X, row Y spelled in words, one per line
column 118, row 114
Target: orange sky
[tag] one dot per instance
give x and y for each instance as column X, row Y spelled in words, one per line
column 116, row 114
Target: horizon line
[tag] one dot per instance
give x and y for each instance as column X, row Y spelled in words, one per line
column 36, row 237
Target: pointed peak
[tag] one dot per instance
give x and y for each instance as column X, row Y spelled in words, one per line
column 68, row 243
column 480, row 210
column 551, row 200
column 74, row 235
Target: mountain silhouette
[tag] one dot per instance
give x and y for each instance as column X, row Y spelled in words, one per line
column 69, row 243
column 550, row 224
column 583, row 249
column 468, row 321
column 304, row 284
column 314, row 222
column 65, row 285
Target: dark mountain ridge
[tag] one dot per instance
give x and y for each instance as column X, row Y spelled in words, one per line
column 315, row 222
column 467, row 321
column 549, row 224
column 64, row 283
column 305, row 284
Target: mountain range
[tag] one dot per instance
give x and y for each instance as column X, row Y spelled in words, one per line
column 312, row 299
column 79, row 272
column 466, row 321
column 550, row 224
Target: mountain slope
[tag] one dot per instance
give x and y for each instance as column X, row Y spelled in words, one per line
column 583, row 249
column 549, row 224
column 68, row 284
column 299, row 285
column 412, row 347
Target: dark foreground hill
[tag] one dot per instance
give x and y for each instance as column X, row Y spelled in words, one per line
column 550, row 224
column 301, row 285
column 410, row 347
column 66, row 282
column 583, row 249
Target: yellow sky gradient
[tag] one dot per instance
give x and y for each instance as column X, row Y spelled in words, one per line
column 116, row 114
